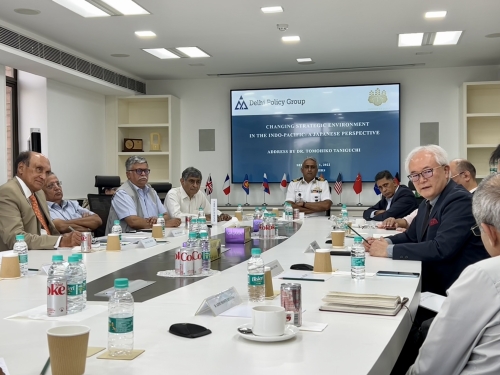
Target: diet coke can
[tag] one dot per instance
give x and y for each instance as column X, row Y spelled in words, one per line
column 291, row 300
column 296, row 214
column 178, row 259
column 197, row 261
column 56, row 297
column 86, row 242
column 188, row 221
column 186, row 265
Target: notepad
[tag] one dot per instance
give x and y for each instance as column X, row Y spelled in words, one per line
column 362, row 303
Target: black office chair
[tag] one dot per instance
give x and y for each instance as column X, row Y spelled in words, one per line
column 100, row 204
column 162, row 188
column 106, row 182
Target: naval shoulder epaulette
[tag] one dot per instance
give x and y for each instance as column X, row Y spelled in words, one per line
column 298, row 179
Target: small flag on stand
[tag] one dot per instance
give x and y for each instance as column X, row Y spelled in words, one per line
column 338, row 184
column 376, row 189
column 358, row 184
column 246, row 185
column 209, row 187
column 284, row 183
column 265, row 185
column 226, row 188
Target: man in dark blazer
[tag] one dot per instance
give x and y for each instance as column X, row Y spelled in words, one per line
column 397, row 200
column 440, row 235
column 21, row 199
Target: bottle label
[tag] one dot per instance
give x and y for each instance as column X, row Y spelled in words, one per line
column 23, row 258
column 75, row 289
column 121, row 325
column 357, row 262
column 84, row 285
column 256, row 279
column 205, row 255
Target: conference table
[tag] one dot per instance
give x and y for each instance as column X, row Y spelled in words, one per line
column 350, row 344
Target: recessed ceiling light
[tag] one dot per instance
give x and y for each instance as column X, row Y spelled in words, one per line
column 83, row 8
column 119, row 55
column 423, row 53
column 161, row 53
column 495, row 35
column 304, row 59
column 192, row 52
column 443, row 38
column 290, row 38
column 126, row 7
column 145, row 33
column 272, row 9
column 410, row 40
column 196, row 65
column 27, row 12
column 439, row 14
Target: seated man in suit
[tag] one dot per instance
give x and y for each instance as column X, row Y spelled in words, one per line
column 495, row 158
column 187, row 199
column 464, row 173
column 136, row 203
column 66, row 214
column 464, row 337
column 397, row 200
column 440, row 235
column 23, row 208
column 309, row 194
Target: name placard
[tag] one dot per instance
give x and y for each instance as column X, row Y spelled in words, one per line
column 176, row 233
column 312, row 247
column 275, row 267
column 220, row 302
column 213, row 211
column 147, row 242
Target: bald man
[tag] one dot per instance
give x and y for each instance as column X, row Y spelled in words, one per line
column 463, row 173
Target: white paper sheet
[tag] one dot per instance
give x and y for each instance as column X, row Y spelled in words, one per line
column 313, row 327
column 40, row 313
column 304, row 275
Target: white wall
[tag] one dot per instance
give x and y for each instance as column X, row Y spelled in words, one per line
column 427, row 95
column 32, row 93
column 3, row 128
column 75, row 136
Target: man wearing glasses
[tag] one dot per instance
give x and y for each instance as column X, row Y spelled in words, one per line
column 187, row 199
column 136, row 203
column 464, row 173
column 67, row 215
column 440, row 235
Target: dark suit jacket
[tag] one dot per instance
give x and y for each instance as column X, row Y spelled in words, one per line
column 403, row 203
column 449, row 246
column 17, row 217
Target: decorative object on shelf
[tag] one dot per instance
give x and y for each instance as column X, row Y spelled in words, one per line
column 132, row 145
column 155, row 140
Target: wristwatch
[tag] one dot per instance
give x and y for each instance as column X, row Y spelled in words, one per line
column 303, row 203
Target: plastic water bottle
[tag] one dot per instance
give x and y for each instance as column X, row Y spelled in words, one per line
column 74, row 278
column 202, row 225
column 21, row 249
column 57, row 268
column 256, row 289
column 239, row 209
column 120, row 320
column 205, row 253
column 358, row 259
column 161, row 221
column 288, row 212
column 84, row 271
column 256, row 214
column 345, row 217
column 201, row 213
column 116, row 228
column 194, row 227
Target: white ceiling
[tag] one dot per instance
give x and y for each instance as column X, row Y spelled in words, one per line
column 241, row 39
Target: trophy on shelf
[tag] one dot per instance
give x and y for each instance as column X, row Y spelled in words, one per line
column 155, row 140
column 132, row 145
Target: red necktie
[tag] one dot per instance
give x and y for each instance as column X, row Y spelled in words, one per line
column 38, row 213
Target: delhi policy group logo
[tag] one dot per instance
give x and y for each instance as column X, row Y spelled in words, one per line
column 241, row 104
column 377, row 97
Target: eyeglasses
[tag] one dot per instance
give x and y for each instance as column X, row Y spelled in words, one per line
column 458, row 174
column 427, row 173
column 54, row 184
column 476, row 230
column 140, row 171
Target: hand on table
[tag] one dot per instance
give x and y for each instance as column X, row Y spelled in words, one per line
column 152, row 220
column 379, row 212
column 389, row 222
column 224, row 217
column 173, row 223
column 71, row 239
column 378, row 248
column 367, row 244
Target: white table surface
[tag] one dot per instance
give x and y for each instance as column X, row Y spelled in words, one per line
column 351, row 344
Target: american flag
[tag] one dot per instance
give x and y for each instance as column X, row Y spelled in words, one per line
column 338, row 184
column 209, row 187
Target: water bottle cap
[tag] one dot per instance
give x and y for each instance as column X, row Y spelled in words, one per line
column 19, row 237
column 358, row 239
column 344, row 206
column 78, row 255
column 121, row 283
column 160, row 215
column 192, row 234
column 116, row 222
column 203, row 235
column 256, row 251
column 72, row 259
column 57, row 258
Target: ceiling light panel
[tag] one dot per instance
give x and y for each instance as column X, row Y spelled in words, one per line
column 161, row 53
column 145, row 33
column 126, row 7
column 290, row 39
column 192, row 52
column 444, row 38
column 276, row 9
column 304, row 59
column 82, row 7
column 439, row 14
column 410, row 40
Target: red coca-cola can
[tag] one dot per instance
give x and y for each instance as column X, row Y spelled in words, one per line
column 56, row 297
column 188, row 221
column 186, row 265
column 86, row 244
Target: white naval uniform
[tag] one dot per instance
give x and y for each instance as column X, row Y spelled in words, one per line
column 314, row 191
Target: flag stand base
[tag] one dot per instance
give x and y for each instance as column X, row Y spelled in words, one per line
column 264, row 204
column 228, row 204
column 246, row 204
column 339, row 204
column 359, row 204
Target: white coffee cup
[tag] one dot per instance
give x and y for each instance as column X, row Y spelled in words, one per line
column 268, row 321
column 360, row 222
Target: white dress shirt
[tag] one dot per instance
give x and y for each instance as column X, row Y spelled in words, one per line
column 178, row 203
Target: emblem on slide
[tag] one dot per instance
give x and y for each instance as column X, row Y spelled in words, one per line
column 377, row 97
column 241, row 104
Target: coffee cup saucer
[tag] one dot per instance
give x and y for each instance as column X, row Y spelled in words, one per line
column 290, row 331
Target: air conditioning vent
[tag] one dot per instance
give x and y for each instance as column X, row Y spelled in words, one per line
column 33, row 47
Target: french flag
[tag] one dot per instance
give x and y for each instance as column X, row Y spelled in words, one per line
column 226, row 188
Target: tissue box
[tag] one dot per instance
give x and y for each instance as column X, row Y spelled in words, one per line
column 214, row 249
column 238, row 235
column 256, row 224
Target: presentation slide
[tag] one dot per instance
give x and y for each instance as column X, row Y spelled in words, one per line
column 348, row 130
